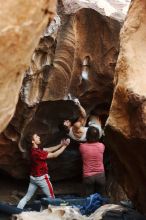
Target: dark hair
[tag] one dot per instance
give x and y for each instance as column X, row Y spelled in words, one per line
column 63, row 128
column 30, row 138
column 74, row 120
column 92, row 134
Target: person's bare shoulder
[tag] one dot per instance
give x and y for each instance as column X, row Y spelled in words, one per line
column 101, row 145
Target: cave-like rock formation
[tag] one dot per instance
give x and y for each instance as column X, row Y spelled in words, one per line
column 17, row 43
column 76, row 57
column 126, row 126
column 111, row 8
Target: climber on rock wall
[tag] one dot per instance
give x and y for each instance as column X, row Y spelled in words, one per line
column 77, row 130
column 39, row 170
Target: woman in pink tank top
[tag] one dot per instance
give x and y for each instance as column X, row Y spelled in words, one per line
column 92, row 157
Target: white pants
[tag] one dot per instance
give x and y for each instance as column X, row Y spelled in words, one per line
column 43, row 182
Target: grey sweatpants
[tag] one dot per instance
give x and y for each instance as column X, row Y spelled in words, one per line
column 43, row 182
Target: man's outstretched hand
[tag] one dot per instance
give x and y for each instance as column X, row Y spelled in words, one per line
column 65, row 142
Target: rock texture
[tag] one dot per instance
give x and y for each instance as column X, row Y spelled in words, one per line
column 62, row 72
column 36, row 76
column 111, row 8
column 94, row 60
column 126, row 126
column 17, row 40
column 110, row 211
column 76, row 55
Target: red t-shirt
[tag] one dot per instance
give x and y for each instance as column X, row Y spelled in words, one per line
column 38, row 162
column 92, row 156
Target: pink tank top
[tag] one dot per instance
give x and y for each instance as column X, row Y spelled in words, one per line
column 92, row 156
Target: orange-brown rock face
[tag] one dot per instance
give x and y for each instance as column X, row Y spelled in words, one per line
column 95, row 59
column 17, row 42
column 126, row 126
column 66, row 68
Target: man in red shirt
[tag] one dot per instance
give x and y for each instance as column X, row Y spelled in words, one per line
column 92, row 157
column 39, row 169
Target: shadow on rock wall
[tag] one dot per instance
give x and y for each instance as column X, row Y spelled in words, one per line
column 47, row 122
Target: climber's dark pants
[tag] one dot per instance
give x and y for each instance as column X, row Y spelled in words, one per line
column 95, row 184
